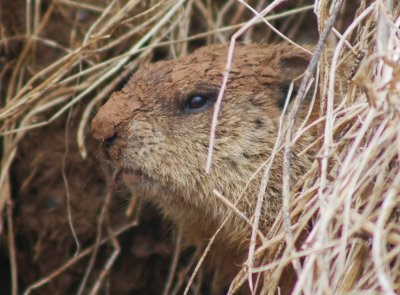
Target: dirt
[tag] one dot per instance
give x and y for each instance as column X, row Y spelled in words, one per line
column 110, row 118
column 43, row 232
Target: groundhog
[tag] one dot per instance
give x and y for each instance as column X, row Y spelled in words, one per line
column 157, row 130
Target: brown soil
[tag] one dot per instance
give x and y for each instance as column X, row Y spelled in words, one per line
column 43, row 233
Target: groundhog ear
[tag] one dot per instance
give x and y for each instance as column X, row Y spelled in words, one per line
column 293, row 64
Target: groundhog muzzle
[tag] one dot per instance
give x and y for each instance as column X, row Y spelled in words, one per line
column 157, row 130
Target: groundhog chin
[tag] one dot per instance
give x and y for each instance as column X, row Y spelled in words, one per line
column 138, row 181
column 132, row 180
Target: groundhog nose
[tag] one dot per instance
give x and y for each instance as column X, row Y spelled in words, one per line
column 103, row 126
column 117, row 111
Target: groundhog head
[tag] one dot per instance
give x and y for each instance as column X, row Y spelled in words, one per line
column 157, row 127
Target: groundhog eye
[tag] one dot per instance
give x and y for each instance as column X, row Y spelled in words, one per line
column 197, row 103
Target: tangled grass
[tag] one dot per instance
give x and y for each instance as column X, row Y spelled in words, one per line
column 339, row 226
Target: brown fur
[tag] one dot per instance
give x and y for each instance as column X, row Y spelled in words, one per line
column 165, row 148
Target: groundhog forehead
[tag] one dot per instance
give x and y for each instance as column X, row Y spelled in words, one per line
column 207, row 65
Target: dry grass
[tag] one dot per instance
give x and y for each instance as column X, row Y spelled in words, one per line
column 339, row 227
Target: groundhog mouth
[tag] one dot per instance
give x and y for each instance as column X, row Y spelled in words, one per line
column 113, row 149
column 132, row 176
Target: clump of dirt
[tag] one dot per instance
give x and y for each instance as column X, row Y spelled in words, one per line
column 120, row 108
